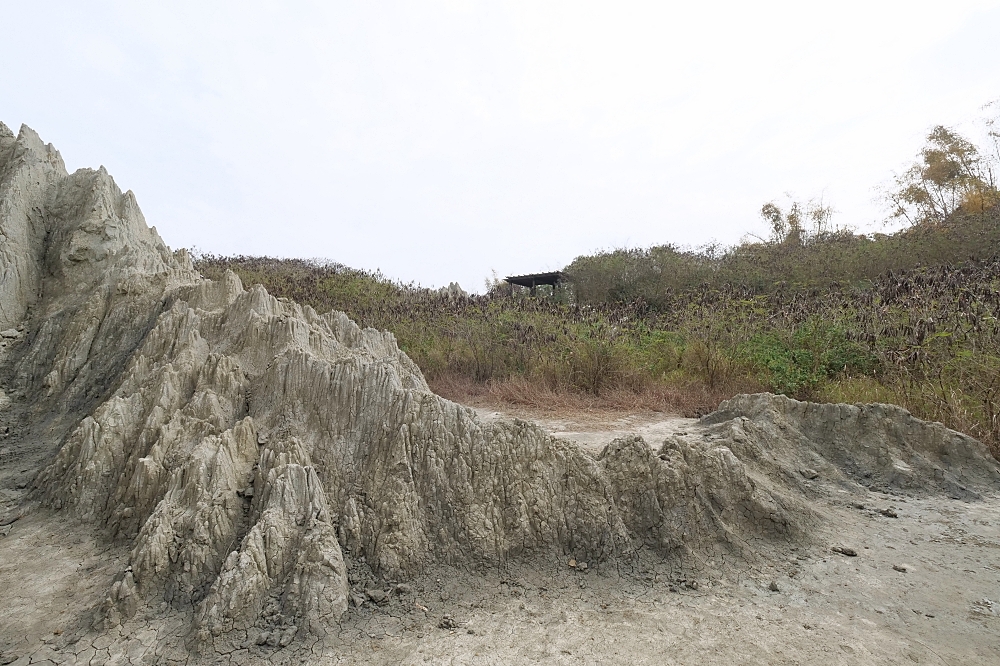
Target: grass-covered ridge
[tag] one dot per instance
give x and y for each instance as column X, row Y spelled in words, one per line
column 529, row 349
column 927, row 338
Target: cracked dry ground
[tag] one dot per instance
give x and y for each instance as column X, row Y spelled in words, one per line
column 924, row 588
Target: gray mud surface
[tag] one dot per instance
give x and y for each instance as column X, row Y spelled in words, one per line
column 923, row 588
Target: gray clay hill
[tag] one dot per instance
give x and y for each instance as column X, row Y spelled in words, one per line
column 246, row 480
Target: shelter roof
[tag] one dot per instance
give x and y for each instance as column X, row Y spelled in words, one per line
column 535, row 279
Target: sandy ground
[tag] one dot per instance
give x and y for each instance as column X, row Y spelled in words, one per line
column 923, row 588
column 594, row 429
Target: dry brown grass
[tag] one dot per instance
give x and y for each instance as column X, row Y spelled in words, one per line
column 927, row 339
column 691, row 399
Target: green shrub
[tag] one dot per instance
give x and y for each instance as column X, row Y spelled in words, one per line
column 798, row 362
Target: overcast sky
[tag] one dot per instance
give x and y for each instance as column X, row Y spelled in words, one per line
column 440, row 140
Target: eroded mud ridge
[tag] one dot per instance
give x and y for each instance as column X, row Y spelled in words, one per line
column 251, row 453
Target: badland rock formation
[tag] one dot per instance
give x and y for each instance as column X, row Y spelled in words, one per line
column 243, row 445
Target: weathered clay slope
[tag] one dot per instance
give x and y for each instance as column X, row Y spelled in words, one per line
column 242, row 444
column 880, row 447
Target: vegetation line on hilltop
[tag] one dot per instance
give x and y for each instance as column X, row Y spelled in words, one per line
column 911, row 318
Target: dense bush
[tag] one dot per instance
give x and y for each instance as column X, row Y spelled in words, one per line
column 926, row 338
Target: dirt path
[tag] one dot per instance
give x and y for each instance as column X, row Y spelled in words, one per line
column 924, row 587
column 593, row 430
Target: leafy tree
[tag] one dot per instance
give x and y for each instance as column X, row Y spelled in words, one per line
column 950, row 176
column 790, row 226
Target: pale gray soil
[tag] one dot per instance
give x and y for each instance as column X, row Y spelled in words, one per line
column 923, row 588
column 593, row 430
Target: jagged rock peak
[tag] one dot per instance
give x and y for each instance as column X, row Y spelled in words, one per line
column 64, row 233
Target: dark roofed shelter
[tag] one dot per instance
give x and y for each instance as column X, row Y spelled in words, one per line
column 536, row 279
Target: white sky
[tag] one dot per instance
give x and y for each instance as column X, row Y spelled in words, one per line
column 438, row 140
